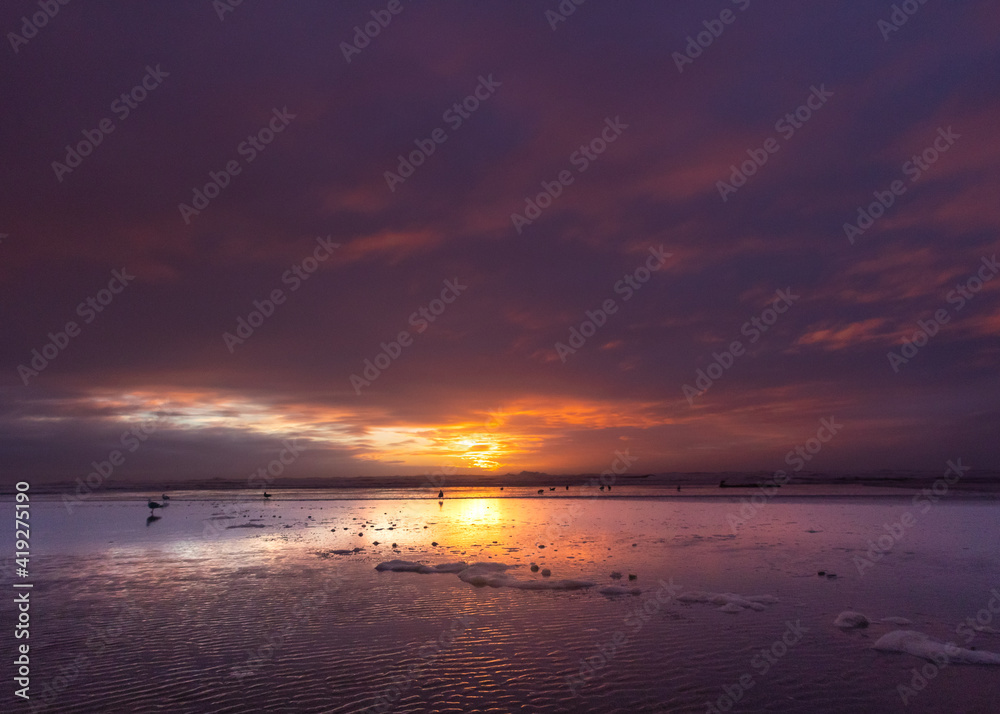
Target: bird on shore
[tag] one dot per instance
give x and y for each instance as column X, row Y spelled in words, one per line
column 166, row 497
column 440, row 494
column 266, row 494
column 541, row 491
column 152, row 505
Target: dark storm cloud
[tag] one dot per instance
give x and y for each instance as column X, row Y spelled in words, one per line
column 217, row 82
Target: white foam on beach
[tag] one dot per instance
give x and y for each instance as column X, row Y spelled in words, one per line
column 729, row 602
column 619, row 590
column 494, row 576
column 896, row 620
column 920, row 645
column 849, row 619
column 407, row 566
column 484, row 575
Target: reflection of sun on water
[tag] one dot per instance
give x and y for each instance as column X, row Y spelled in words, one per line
column 475, row 512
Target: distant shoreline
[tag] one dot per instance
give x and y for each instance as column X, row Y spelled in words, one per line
column 977, row 481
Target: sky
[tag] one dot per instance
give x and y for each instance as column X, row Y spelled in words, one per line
column 400, row 238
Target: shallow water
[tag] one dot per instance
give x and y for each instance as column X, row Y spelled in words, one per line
column 189, row 614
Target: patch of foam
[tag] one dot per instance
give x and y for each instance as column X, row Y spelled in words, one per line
column 920, row 645
column 849, row 619
column 493, row 575
column 619, row 590
column 408, row 566
column 896, row 620
column 729, row 602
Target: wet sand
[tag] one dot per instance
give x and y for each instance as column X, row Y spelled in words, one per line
column 240, row 604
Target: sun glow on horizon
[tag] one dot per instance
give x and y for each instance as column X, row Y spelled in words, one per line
column 538, row 433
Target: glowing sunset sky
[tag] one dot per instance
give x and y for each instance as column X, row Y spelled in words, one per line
column 447, row 268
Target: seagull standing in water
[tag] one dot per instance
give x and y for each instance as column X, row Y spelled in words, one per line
column 152, row 505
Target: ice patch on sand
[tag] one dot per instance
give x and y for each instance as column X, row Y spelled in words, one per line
column 729, row 602
column 619, row 590
column 849, row 619
column 920, row 645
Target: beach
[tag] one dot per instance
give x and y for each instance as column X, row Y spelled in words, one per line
column 229, row 602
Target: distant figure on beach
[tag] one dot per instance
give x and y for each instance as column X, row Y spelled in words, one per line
column 266, row 494
column 602, row 487
column 166, row 497
column 553, row 488
column 541, row 491
column 567, row 488
column 440, row 494
column 152, row 505
column 678, row 487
